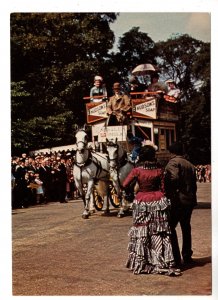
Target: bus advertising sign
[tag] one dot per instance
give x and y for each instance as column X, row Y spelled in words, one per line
column 96, row 111
column 113, row 132
column 144, row 108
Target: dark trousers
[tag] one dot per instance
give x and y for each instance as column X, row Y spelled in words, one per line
column 181, row 215
column 62, row 191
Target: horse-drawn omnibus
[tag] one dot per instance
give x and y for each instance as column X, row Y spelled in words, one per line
column 153, row 117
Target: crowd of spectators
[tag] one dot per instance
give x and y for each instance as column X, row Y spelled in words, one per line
column 42, row 178
column 203, row 173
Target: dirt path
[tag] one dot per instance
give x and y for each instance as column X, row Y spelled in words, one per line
column 56, row 252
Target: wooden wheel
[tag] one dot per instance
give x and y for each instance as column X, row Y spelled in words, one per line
column 114, row 199
column 98, row 201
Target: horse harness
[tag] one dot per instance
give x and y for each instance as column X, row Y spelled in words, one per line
column 90, row 159
column 119, row 163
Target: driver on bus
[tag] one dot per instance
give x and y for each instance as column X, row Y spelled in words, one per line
column 118, row 106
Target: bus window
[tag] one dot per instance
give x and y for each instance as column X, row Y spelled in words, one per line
column 170, row 137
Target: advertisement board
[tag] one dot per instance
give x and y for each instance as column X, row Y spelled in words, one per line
column 143, row 108
column 96, row 111
column 113, row 132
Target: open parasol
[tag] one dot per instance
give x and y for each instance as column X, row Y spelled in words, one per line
column 144, row 69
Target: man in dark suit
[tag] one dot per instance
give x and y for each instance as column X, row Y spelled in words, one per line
column 62, row 181
column 181, row 188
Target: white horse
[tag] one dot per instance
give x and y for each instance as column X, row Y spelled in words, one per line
column 119, row 169
column 90, row 169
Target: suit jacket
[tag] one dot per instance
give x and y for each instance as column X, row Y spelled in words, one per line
column 119, row 106
column 180, row 181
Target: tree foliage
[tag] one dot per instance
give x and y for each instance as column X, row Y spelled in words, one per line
column 177, row 58
column 55, row 56
column 187, row 61
column 134, row 48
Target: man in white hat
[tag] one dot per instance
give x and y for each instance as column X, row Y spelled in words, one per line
column 98, row 90
column 173, row 90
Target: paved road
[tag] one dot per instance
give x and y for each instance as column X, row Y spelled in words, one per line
column 56, row 252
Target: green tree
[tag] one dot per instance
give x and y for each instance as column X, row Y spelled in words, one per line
column 195, row 125
column 54, row 57
column 134, row 48
column 187, row 61
column 176, row 58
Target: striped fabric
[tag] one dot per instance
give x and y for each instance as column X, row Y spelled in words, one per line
column 150, row 249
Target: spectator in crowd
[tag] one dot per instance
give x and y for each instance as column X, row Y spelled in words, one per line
column 45, row 176
column 20, row 184
column 62, row 181
column 181, row 188
column 68, row 165
column 32, row 187
column 54, row 181
column 24, row 156
column 39, row 189
column 203, row 174
column 208, row 173
column 48, row 166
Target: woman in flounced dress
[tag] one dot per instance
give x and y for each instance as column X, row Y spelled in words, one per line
column 150, row 249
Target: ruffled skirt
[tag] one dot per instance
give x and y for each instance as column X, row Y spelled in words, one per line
column 150, row 249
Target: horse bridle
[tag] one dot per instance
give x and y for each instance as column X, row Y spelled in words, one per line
column 82, row 142
column 117, row 148
column 119, row 162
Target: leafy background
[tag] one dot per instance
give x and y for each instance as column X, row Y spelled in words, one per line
column 55, row 56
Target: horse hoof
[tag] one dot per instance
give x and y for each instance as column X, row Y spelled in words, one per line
column 85, row 216
column 106, row 213
column 92, row 211
column 120, row 215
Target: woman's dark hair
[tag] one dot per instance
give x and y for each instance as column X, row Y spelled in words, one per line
column 147, row 153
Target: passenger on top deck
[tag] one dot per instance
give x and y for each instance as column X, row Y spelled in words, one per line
column 173, row 90
column 118, row 106
column 98, row 89
column 156, row 85
column 136, row 86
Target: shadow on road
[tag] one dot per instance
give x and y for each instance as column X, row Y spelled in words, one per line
column 197, row 262
column 203, row 205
